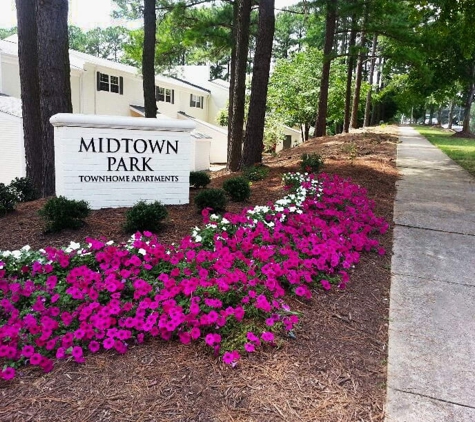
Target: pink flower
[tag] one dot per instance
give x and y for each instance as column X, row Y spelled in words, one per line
column 77, row 352
column 108, row 343
column 267, row 336
column 35, row 359
column 94, row 346
column 8, row 373
column 27, row 351
column 249, row 347
column 325, row 284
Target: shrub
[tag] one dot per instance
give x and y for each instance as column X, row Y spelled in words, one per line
column 237, row 188
column 211, row 198
column 255, row 173
column 311, row 163
column 8, row 199
column 23, row 189
column 143, row 216
column 62, row 213
column 199, row 179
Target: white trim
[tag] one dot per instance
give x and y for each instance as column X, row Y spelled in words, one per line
column 119, row 122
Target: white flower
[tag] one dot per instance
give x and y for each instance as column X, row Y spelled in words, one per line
column 16, row 254
column 110, row 242
column 198, row 239
column 224, row 221
column 142, row 251
column 26, row 248
column 6, row 253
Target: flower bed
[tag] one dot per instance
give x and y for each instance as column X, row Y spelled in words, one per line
column 225, row 284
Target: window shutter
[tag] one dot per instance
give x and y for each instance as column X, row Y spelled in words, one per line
column 98, row 81
column 121, row 85
column 191, row 100
column 173, row 96
column 157, row 93
column 202, row 101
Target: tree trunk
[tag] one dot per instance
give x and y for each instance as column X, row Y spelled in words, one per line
column 232, row 73
column 30, row 91
column 349, row 75
column 451, row 114
column 367, row 111
column 54, row 76
column 358, row 80
column 359, row 74
column 330, row 23
column 239, row 89
column 253, row 140
column 468, row 106
column 148, row 58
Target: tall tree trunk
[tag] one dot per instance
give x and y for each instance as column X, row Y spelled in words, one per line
column 54, row 76
column 359, row 73
column 253, row 140
column 232, row 74
column 468, row 106
column 367, row 110
column 148, row 58
column 239, row 88
column 451, row 114
column 330, row 24
column 30, row 91
column 349, row 75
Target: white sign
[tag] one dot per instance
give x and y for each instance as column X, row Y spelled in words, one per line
column 112, row 161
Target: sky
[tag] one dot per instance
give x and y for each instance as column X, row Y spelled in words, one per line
column 86, row 14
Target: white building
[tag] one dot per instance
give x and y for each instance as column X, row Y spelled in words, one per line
column 104, row 87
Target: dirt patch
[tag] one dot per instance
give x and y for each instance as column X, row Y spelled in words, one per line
column 334, row 370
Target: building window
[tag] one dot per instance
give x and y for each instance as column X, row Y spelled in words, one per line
column 115, row 84
column 110, row 83
column 165, row 95
column 196, row 101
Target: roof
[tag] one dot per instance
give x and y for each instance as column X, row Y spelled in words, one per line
column 9, row 47
column 10, row 105
column 79, row 59
column 76, row 58
column 220, row 82
column 179, row 82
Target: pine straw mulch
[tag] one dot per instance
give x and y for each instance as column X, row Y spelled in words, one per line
column 334, row 370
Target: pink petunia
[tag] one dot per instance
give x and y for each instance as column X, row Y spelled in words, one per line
column 108, row 343
column 249, row 347
column 8, row 373
column 94, row 346
column 267, row 336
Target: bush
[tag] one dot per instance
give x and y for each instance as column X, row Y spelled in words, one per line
column 237, row 188
column 211, row 198
column 255, row 173
column 199, row 179
column 24, row 190
column 8, row 199
column 62, row 213
column 143, row 216
column 311, row 163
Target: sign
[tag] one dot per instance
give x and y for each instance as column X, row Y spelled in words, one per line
column 112, row 161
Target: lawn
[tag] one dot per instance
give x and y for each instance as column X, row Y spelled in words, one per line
column 461, row 150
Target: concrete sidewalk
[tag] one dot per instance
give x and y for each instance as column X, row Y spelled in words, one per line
column 431, row 363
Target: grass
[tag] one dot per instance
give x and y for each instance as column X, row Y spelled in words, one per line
column 461, row 150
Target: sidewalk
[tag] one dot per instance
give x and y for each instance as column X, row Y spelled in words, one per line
column 431, row 363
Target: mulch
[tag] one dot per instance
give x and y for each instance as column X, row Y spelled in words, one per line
column 334, row 370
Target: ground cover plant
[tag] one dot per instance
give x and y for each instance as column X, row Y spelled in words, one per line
column 227, row 283
column 330, row 367
column 461, row 150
